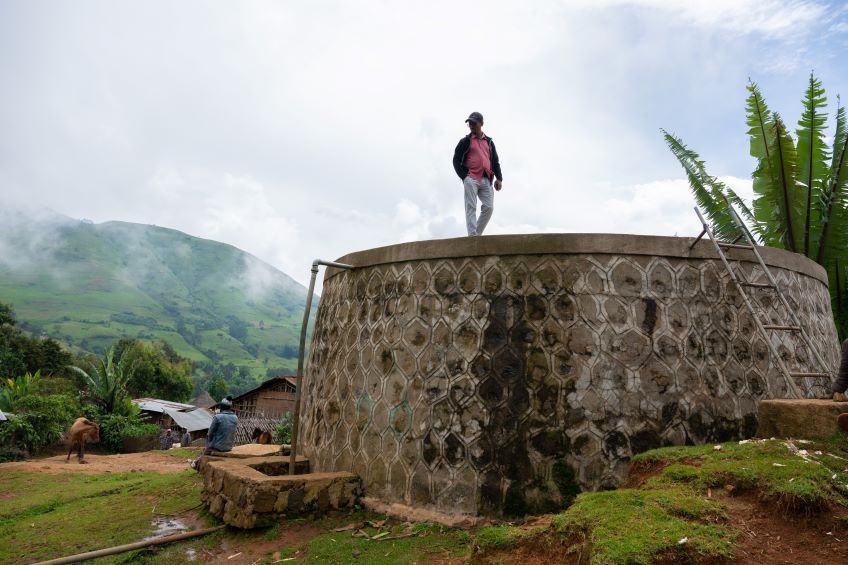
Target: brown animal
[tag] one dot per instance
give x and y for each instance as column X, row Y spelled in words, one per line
column 82, row 430
column 842, row 422
column 262, row 437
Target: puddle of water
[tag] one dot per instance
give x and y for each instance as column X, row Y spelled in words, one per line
column 166, row 526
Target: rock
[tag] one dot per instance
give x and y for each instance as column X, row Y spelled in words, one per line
column 799, row 418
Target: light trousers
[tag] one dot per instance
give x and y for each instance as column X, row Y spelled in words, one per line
column 475, row 189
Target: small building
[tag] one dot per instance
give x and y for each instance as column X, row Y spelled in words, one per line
column 272, row 399
column 262, row 409
column 167, row 414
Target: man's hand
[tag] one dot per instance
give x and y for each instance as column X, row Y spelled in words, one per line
column 498, row 185
column 839, row 397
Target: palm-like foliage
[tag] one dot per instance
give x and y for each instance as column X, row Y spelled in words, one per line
column 106, row 381
column 801, row 201
column 12, row 390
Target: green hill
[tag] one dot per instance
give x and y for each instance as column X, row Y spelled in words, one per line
column 87, row 285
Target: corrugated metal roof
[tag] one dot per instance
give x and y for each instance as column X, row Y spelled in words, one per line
column 192, row 420
column 184, row 415
column 158, row 405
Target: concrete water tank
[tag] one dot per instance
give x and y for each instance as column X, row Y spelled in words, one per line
column 494, row 375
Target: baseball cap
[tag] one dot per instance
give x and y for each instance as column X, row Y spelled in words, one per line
column 476, row 117
column 225, row 402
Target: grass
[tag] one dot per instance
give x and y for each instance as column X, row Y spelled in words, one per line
column 635, row 526
column 672, row 515
column 767, row 468
column 427, row 542
column 501, row 536
column 44, row 516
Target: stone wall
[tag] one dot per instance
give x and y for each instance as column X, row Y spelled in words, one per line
column 493, row 375
column 255, row 492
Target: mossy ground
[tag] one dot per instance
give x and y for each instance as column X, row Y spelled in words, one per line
column 673, row 512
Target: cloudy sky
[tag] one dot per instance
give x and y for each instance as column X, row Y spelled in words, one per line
column 297, row 130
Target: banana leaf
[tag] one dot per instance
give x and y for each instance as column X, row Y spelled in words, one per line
column 833, row 243
column 779, row 202
column 710, row 193
column 761, row 138
column 812, row 154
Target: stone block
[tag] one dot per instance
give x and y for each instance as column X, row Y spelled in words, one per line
column 799, row 418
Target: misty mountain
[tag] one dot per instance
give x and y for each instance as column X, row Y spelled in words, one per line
column 87, row 285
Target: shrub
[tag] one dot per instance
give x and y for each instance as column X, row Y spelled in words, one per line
column 124, row 423
column 283, row 433
column 12, row 454
column 39, row 421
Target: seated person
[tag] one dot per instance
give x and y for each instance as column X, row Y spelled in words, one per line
column 166, row 440
column 222, row 431
column 841, row 382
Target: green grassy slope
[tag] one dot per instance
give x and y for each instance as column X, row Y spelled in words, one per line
column 88, row 285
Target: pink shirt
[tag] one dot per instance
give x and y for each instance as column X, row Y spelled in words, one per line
column 478, row 160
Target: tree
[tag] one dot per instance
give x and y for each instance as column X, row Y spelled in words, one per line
column 6, row 315
column 217, row 387
column 158, row 371
column 801, row 188
column 106, row 381
column 20, row 353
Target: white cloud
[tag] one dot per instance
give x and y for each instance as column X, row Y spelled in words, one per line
column 772, row 18
column 304, row 130
column 237, row 210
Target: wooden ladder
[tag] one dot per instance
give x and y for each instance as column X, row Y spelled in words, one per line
column 793, row 326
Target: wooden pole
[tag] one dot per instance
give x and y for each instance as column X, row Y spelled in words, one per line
column 129, row 547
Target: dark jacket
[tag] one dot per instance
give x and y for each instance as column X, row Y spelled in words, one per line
column 166, row 440
column 222, row 431
column 461, row 152
column 841, row 382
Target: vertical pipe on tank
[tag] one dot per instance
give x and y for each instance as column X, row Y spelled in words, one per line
column 298, row 391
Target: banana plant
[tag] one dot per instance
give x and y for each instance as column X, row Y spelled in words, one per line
column 106, row 380
column 800, row 187
column 12, row 390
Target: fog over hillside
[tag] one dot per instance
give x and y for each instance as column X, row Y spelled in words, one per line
column 89, row 285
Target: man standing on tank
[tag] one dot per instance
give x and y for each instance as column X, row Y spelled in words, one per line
column 476, row 162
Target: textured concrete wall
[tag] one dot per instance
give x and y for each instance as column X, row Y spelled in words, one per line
column 489, row 375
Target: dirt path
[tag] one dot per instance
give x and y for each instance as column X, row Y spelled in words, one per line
column 149, row 461
column 766, row 536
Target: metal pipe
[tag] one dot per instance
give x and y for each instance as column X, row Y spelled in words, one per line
column 300, row 358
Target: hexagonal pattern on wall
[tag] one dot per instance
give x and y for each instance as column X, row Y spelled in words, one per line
column 462, row 384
